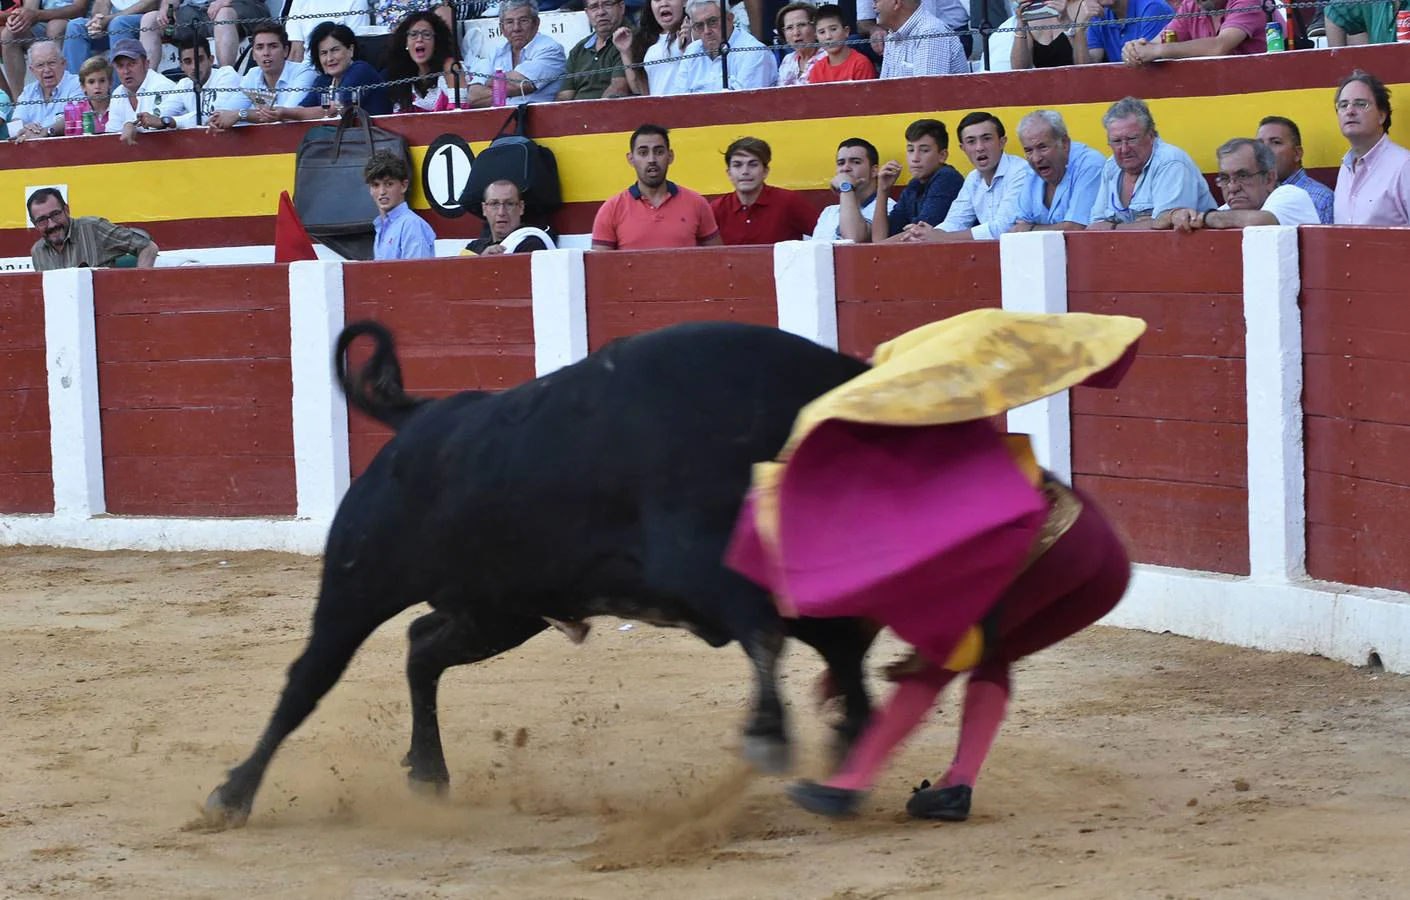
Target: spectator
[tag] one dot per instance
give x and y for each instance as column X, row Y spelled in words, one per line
column 954, row 13
column 532, row 62
column 934, row 183
column 837, row 62
column 653, row 213
column 1248, row 178
column 144, row 98
column 918, row 43
column 108, row 21
column 797, row 22
column 1284, row 138
column 504, row 215
column 1123, row 21
column 39, row 111
column 1046, row 41
column 751, row 64
column 272, row 83
column 342, row 80
column 987, row 205
column 855, row 184
column 1145, row 176
column 200, row 19
column 1361, row 21
column 1068, row 176
column 194, row 58
column 421, row 47
column 87, row 241
column 398, row 232
column 594, row 68
column 30, row 21
column 96, row 76
column 1373, row 184
column 305, row 15
column 652, row 54
column 1206, row 28
column 756, row 212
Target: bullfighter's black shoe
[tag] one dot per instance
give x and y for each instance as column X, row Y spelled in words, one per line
column 947, row 804
column 833, row 802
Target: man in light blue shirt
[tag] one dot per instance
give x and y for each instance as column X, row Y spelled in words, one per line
column 1068, row 175
column 399, row 232
column 273, row 82
column 987, row 205
column 39, row 110
column 751, row 65
column 1145, row 176
column 533, row 62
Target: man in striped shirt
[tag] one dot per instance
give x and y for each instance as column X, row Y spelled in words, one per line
column 917, row 43
column 85, row 242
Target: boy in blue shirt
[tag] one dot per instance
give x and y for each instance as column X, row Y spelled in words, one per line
column 400, row 233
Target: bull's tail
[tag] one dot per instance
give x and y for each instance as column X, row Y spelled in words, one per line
column 376, row 388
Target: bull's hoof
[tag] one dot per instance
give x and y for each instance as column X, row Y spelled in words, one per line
column 833, row 802
column 769, row 755
column 222, row 813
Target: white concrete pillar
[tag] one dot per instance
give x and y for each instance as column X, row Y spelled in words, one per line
column 560, row 308
column 321, row 469
column 1277, row 490
column 71, row 360
column 1033, row 269
column 806, row 289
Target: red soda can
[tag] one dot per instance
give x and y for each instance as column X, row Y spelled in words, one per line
column 1402, row 26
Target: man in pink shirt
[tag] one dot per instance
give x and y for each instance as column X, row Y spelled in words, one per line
column 1373, row 185
column 653, row 213
column 1206, row 28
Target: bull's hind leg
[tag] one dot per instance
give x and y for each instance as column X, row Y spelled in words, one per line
column 440, row 640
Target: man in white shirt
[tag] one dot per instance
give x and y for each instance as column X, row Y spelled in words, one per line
column 272, row 83
column 533, row 62
column 144, row 98
column 987, row 205
column 855, row 182
column 918, row 43
column 39, row 111
column 1248, row 178
column 214, row 81
column 720, row 47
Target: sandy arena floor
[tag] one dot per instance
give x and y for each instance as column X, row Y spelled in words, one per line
column 1133, row 765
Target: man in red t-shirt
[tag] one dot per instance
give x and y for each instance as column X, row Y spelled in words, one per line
column 653, row 213
column 838, row 61
column 758, row 213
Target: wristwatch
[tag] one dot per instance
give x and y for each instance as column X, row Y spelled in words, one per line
column 846, row 188
column 244, row 115
column 168, row 122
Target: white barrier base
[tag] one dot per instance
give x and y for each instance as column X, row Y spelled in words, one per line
column 288, row 535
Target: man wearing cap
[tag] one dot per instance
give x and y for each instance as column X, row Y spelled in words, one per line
column 144, row 98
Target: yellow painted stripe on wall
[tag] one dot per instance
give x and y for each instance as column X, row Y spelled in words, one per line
column 592, row 167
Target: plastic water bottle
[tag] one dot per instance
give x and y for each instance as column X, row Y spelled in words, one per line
column 73, row 119
column 499, row 88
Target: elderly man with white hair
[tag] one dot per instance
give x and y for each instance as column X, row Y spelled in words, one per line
column 1069, row 176
column 1145, row 177
column 532, row 62
column 39, row 111
column 722, row 53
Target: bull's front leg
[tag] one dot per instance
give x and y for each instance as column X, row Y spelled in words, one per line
column 766, row 743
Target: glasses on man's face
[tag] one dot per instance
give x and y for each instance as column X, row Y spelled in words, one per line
column 421, row 34
column 709, row 24
column 1358, row 103
column 46, row 64
column 1240, row 176
column 501, row 204
column 1124, row 142
column 54, row 216
column 516, row 23
column 605, row 4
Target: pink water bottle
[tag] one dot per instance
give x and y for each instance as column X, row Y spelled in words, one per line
column 499, row 89
column 73, row 119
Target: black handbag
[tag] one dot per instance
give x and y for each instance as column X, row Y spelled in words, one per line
column 532, row 167
column 329, row 194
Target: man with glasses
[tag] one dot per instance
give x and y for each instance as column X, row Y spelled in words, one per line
column 532, row 62
column 503, row 215
column 721, row 52
column 1373, row 183
column 39, row 111
column 85, row 242
column 1145, row 177
column 1248, row 178
column 595, row 64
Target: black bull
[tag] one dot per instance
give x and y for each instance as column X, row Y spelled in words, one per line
column 609, row 487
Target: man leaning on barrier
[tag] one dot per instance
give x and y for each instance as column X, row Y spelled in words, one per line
column 85, row 242
column 1248, row 177
column 1145, row 177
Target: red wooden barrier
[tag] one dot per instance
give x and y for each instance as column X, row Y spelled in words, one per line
column 1180, row 417
column 26, row 482
column 637, row 290
column 194, row 390
column 461, row 323
column 1356, row 402
column 884, row 290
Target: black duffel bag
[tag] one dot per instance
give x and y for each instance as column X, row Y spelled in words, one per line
column 517, row 158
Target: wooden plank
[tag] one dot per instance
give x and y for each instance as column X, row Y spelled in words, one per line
column 1368, row 390
column 1370, row 450
column 1374, row 559
column 608, row 320
column 1358, row 503
column 263, row 383
column 181, row 289
column 652, row 276
column 23, row 370
column 966, row 271
column 22, row 312
column 1380, row 261
column 1161, row 449
column 1362, row 325
column 863, row 324
column 1178, row 324
column 233, row 431
column 26, row 492
column 1202, row 262
column 363, row 448
column 1191, row 526
column 441, row 371
column 1192, row 389
column 197, row 335
column 445, row 278
column 24, row 452
column 200, row 485
column 26, row 410
column 445, row 322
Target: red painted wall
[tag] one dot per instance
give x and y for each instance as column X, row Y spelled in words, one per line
column 1356, row 403
column 194, row 390
column 1179, row 418
column 460, row 323
column 26, row 485
column 637, row 290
